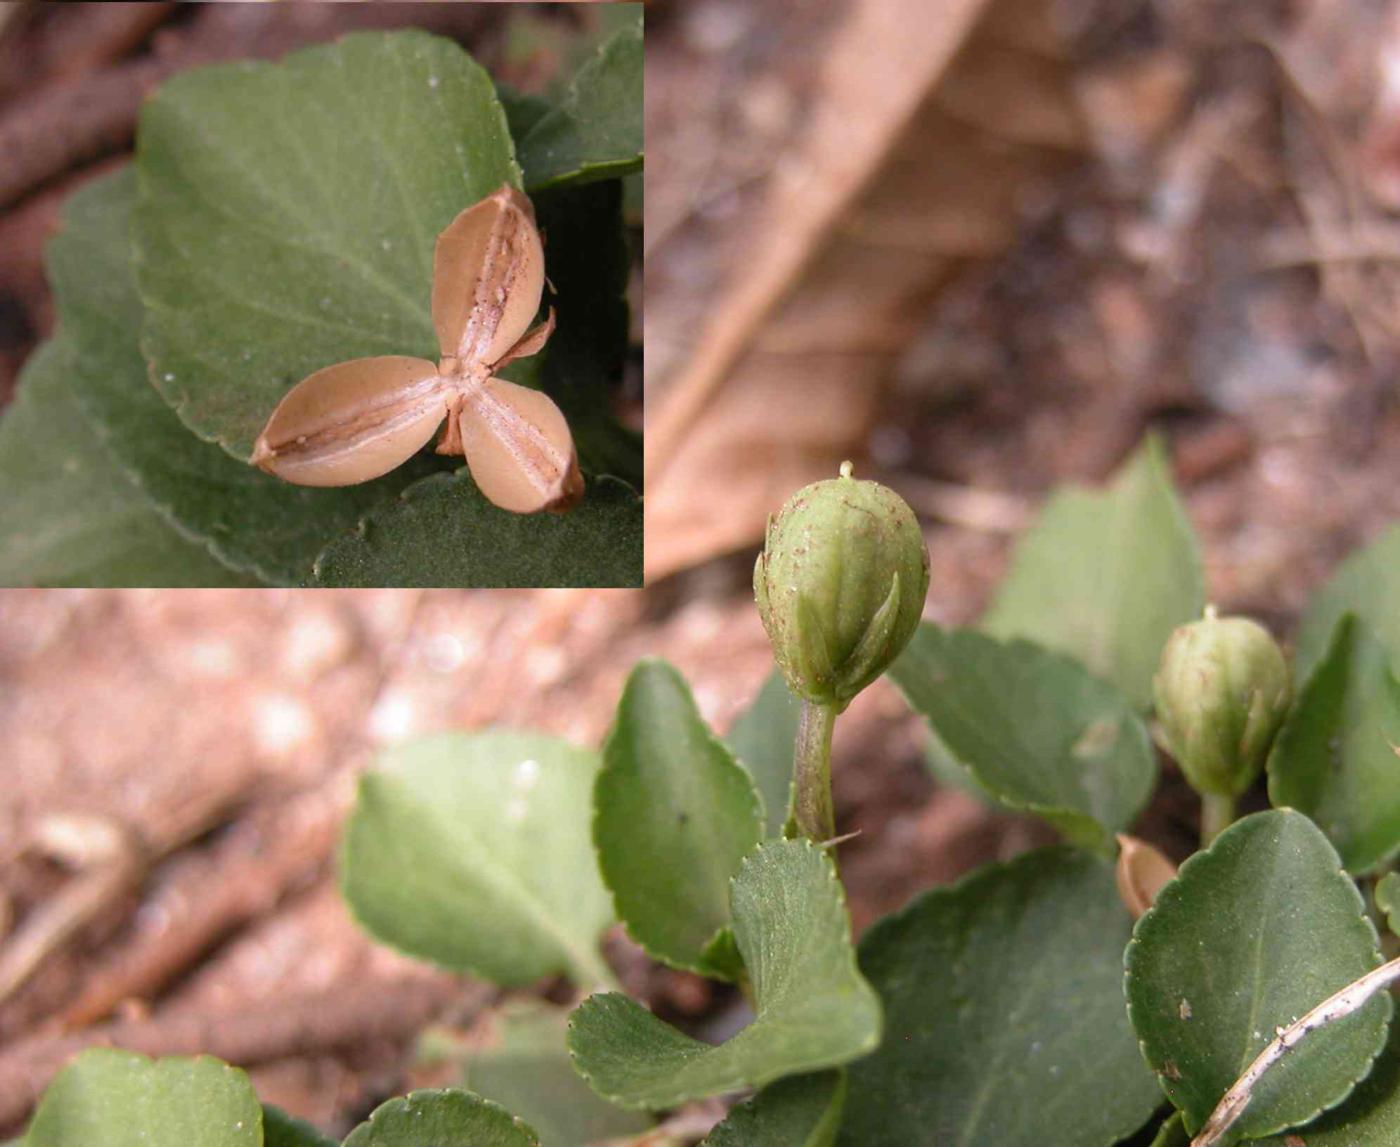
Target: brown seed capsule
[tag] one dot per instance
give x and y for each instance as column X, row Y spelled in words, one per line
column 356, row 420
column 518, row 448
column 352, row 422
column 1142, row 872
column 488, row 277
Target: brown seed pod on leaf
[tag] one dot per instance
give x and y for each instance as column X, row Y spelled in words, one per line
column 356, row 420
column 1142, row 872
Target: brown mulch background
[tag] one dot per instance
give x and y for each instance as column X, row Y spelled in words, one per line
column 1218, row 264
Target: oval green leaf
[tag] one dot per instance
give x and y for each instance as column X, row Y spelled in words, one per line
column 282, row 1130
column 525, row 1067
column 442, row 531
column 804, row 1111
column 253, row 521
column 813, row 1008
column 1106, row 575
column 1172, row 1133
column 674, row 817
column 1387, row 896
column 763, row 738
column 288, row 214
column 1367, row 584
column 1336, row 757
column 595, row 131
column 1004, row 1014
column 1034, row 729
column 1370, row 1116
column 69, row 516
column 121, row 1099
column 1252, row 934
column 441, row 1117
column 473, row 851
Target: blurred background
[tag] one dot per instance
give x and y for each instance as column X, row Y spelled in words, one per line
column 982, row 245
column 978, row 246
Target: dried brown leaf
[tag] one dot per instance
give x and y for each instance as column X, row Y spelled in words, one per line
column 907, row 170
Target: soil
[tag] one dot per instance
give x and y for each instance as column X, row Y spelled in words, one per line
column 1218, row 266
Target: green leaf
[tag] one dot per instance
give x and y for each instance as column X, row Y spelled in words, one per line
column 121, row 1099
column 443, row 532
column 1033, row 728
column 1370, row 1116
column 1366, row 584
column 1387, row 895
column 763, row 738
column 1105, row 576
column 288, row 214
column 254, row 522
column 281, row 1130
column 950, row 772
column 1335, row 757
column 1004, row 1014
column 69, row 516
column 448, row 1117
column 595, row 131
column 674, row 817
column 588, row 266
column 526, row 1069
column 472, row 850
column 1251, row 935
column 523, row 109
column 536, row 44
column 804, row 1111
column 813, row 1008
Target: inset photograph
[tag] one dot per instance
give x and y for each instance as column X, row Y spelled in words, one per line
column 321, row 295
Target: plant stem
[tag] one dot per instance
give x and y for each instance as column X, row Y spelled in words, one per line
column 1217, row 814
column 812, row 813
column 1337, row 1006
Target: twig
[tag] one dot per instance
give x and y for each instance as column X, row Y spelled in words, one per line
column 212, row 895
column 344, row 1017
column 1340, row 280
column 58, row 127
column 1350, row 999
column 115, row 867
column 1368, row 243
column 114, row 861
column 76, row 40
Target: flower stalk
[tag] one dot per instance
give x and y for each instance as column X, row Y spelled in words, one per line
column 813, row 814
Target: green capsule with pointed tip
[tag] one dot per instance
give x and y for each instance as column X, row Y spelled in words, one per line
column 840, row 586
column 1222, row 690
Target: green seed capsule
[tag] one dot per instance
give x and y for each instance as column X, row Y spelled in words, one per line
column 840, row 586
column 1222, row 690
